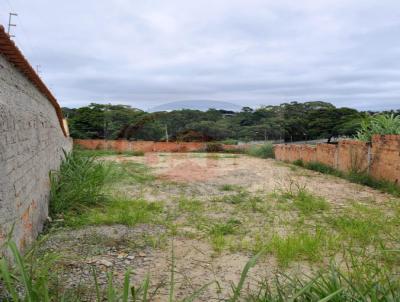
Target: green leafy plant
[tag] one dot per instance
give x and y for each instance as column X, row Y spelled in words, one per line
column 378, row 124
column 79, row 182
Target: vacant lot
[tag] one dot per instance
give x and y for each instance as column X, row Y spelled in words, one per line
column 198, row 218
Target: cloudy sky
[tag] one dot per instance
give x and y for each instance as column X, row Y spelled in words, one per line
column 249, row 52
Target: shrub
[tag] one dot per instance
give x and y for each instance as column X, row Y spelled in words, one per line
column 263, row 151
column 378, row 124
column 214, row 147
column 79, row 182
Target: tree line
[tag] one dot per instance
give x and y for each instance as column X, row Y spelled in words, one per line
column 288, row 121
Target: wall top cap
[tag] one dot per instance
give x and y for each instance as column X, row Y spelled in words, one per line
column 12, row 54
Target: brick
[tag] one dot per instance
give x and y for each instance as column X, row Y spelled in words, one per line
column 31, row 141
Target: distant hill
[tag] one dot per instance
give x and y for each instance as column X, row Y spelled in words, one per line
column 196, row 105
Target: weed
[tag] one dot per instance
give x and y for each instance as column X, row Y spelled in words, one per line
column 302, row 246
column 229, row 187
column 214, row 147
column 353, row 176
column 367, row 180
column 359, row 223
column 306, row 202
column 218, row 231
column 79, row 182
column 118, row 211
column 227, row 228
column 190, row 205
column 263, row 151
column 361, row 280
column 332, row 284
column 236, row 198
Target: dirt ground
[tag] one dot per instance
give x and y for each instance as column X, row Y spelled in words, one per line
column 149, row 249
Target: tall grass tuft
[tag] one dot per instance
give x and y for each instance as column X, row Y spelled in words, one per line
column 262, row 151
column 363, row 280
column 78, row 183
column 378, row 124
column 361, row 178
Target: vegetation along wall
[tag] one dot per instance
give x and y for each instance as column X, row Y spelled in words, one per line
column 32, row 140
column 380, row 158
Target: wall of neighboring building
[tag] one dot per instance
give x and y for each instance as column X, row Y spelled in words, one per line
column 31, row 145
column 381, row 158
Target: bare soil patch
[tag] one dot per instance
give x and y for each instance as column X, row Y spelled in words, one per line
column 218, row 209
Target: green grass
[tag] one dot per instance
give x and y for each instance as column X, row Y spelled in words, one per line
column 367, row 281
column 105, row 152
column 80, row 182
column 262, row 151
column 236, row 198
column 229, row 187
column 85, row 192
column 118, row 211
column 362, row 280
column 226, row 228
column 297, row 246
column 132, row 172
column 303, row 200
column 308, row 203
column 190, row 205
column 361, row 224
column 218, row 233
column 353, row 176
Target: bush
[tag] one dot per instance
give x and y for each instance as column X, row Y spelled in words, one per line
column 378, row 124
column 214, row 147
column 263, row 151
column 78, row 183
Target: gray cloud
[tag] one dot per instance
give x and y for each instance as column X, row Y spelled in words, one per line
column 248, row 52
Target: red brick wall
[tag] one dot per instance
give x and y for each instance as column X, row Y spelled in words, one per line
column 381, row 158
column 326, row 154
column 352, row 156
column 144, row 146
column 385, row 157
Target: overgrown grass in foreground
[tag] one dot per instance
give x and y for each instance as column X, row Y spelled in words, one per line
column 365, row 280
column 79, row 183
column 83, row 191
column 353, row 176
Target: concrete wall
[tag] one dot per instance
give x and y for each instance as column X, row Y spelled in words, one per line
column 381, row 158
column 31, row 144
column 145, row 146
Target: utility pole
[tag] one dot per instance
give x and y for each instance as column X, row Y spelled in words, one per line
column 166, row 133
column 11, row 24
column 38, row 69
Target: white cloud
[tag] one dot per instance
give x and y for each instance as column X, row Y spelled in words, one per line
column 250, row 52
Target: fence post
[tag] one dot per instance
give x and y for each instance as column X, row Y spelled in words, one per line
column 337, row 157
column 369, row 157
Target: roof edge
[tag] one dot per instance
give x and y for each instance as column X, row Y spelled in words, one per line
column 13, row 55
